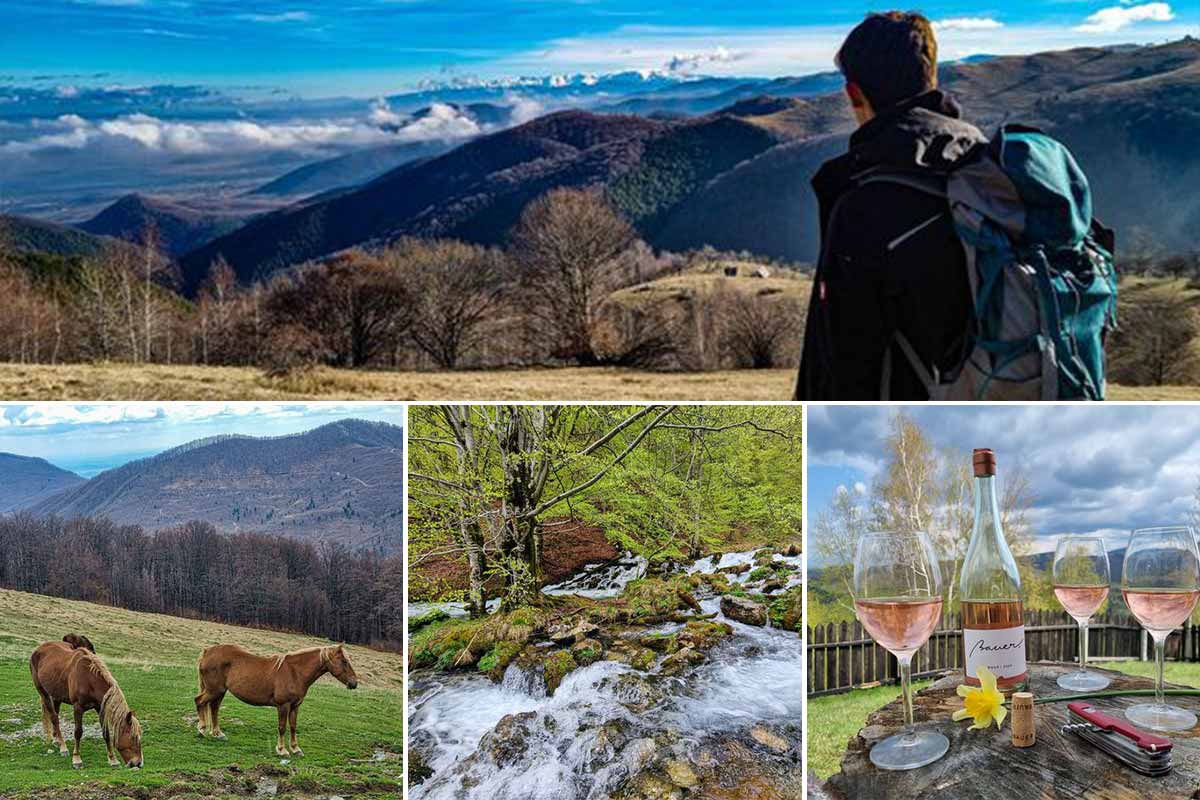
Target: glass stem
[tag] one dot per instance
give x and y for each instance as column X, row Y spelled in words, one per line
column 906, row 693
column 1160, row 655
column 1083, row 645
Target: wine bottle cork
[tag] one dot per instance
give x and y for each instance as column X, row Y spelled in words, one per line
column 1024, row 728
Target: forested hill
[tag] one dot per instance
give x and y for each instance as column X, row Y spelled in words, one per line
column 341, row 482
column 25, row 481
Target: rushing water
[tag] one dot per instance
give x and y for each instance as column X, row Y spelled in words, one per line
column 597, row 729
column 605, row 579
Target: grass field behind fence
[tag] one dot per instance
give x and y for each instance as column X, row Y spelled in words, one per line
column 833, row 720
column 352, row 740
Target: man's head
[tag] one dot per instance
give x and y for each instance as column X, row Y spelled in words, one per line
column 888, row 58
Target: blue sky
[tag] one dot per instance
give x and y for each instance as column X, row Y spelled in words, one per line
column 1095, row 469
column 88, row 439
column 365, row 47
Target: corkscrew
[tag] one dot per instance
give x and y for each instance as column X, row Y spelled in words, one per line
column 1144, row 752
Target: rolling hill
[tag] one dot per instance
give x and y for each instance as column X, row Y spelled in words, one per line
column 477, row 191
column 340, row 482
column 26, row 234
column 738, row 178
column 25, row 481
column 179, row 227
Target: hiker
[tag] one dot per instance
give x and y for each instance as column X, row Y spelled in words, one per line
column 892, row 315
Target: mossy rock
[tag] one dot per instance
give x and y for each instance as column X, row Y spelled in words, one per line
column 557, row 666
column 764, row 558
column 433, row 617
column 496, row 660
column 703, row 635
column 787, row 610
column 660, row 642
column 760, row 574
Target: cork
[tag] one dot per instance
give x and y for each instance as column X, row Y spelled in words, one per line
column 1024, row 729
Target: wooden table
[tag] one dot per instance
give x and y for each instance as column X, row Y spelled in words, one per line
column 985, row 765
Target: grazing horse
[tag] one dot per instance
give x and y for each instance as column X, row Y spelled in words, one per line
column 280, row 681
column 63, row 673
column 78, row 642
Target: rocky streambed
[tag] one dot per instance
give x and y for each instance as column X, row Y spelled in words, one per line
column 678, row 685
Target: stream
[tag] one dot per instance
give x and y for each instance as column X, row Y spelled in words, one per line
column 609, row 722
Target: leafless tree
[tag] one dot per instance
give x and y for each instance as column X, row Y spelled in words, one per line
column 568, row 248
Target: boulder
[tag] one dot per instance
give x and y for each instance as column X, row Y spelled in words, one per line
column 736, row 569
column 769, row 739
column 507, row 742
column 742, row 610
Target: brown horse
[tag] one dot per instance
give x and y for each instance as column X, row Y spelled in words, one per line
column 64, row 673
column 78, row 642
column 280, row 681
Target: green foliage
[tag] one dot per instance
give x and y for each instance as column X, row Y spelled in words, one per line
column 760, row 573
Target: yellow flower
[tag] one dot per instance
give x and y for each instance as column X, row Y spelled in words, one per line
column 983, row 703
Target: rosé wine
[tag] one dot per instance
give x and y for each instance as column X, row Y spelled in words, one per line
column 900, row 626
column 1161, row 610
column 1081, row 601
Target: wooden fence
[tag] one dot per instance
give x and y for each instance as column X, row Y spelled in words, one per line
column 842, row 656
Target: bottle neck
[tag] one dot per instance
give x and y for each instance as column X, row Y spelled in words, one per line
column 987, row 508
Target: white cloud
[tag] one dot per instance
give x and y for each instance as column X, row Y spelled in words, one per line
column 1114, row 18
column 284, row 16
column 687, row 64
column 967, row 24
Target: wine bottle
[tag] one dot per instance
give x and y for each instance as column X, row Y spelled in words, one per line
column 990, row 590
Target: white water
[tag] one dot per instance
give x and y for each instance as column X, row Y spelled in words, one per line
column 752, row 677
column 607, row 579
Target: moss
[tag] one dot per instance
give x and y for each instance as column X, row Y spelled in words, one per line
column 433, row 617
column 496, row 660
column 761, row 574
column 660, row 642
column 586, row 655
column 556, row 667
column 440, row 644
column 787, row 610
column 702, row 635
column 654, row 597
column 644, row 659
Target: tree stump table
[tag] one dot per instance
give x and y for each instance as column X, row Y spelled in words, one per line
column 984, row 765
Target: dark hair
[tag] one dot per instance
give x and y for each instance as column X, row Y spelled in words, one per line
column 891, row 56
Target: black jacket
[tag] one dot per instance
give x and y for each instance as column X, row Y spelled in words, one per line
column 864, row 292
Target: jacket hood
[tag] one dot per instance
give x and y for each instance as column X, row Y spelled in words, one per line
column 924, row 132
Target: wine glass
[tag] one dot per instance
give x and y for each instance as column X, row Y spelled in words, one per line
column 1081, row 582
column 898, row 599
column 1161, row 584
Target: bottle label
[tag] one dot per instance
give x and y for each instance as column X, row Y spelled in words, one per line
column 1002, row 651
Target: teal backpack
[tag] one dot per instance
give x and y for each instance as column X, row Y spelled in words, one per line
column 1040, row 269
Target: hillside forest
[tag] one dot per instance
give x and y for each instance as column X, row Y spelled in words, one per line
column 499, row 496
column 195, row 571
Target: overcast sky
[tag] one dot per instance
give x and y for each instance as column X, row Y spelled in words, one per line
column 1094, row 468
column 333, row 47
column 88, row 439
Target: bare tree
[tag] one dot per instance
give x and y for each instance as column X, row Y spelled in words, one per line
column 356, row 305
column 568, row 247
column 456, row 289
column 759, row 326
column 1157, row 342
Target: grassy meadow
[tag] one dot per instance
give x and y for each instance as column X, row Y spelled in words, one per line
column 834, row 719
column 352, row 740
column 188, row 382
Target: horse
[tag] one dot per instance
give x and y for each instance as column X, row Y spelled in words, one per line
column 79, row 642
column 64, row 673
column 281, row 681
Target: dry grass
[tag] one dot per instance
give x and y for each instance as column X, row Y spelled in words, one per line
column 159, row 382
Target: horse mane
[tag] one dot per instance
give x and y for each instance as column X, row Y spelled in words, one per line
column 114, row 709
column 279, row 659
column 115, row 717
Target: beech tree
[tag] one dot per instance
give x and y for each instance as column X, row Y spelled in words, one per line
column 568, row 247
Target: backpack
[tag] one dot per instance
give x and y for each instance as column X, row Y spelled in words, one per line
column 1040, row 270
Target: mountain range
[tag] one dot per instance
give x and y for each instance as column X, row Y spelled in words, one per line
column 341, row 482
column 738, row 180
